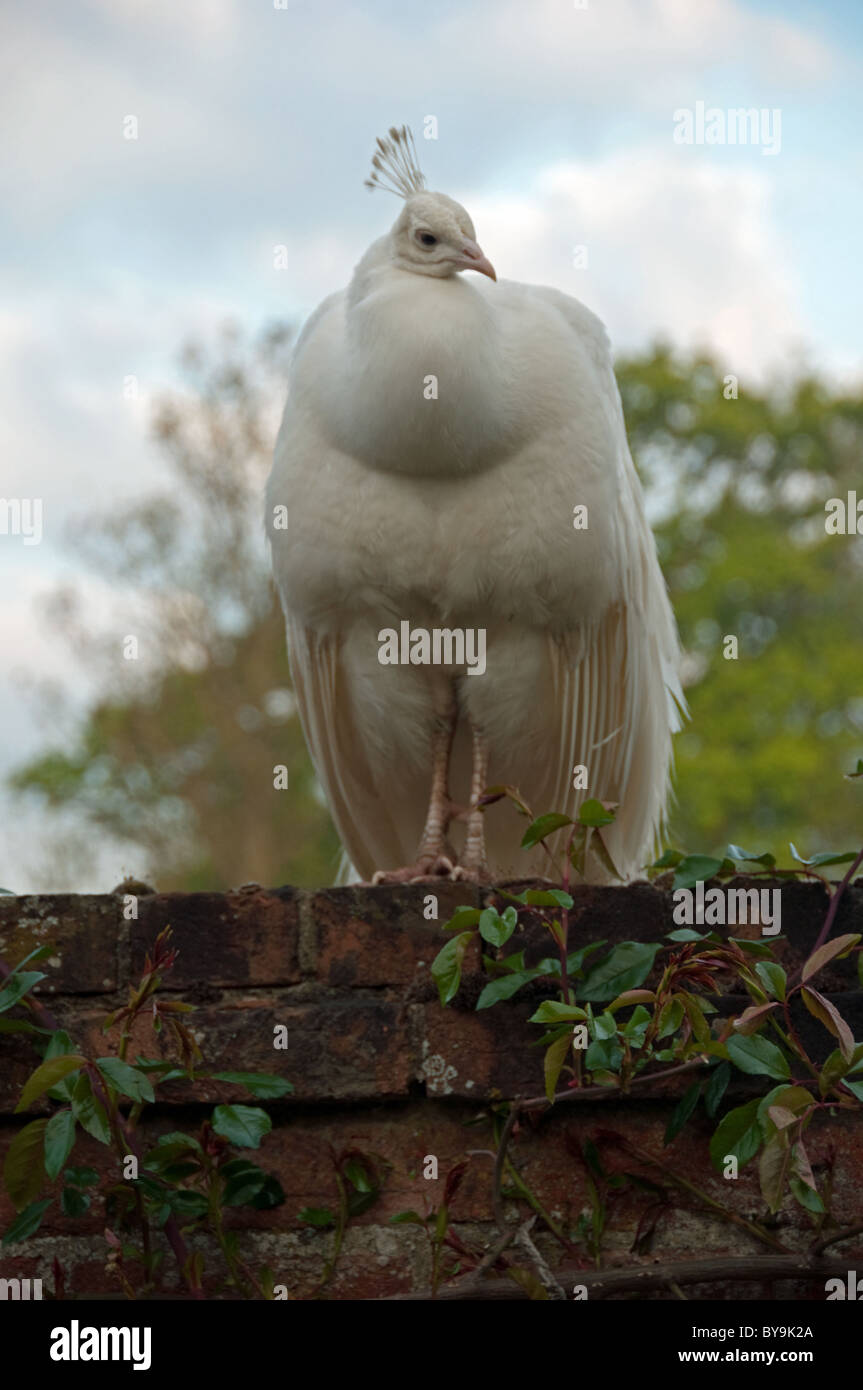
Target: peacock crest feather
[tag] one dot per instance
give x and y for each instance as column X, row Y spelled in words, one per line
column 394, row 165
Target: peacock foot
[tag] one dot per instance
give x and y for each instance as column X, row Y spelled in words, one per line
column 427, row 868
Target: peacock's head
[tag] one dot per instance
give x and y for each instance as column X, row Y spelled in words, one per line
column 433, row 234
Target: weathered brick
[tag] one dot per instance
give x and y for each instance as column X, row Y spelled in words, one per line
column 380, row 936
column 230, row 940
column 83, row 931
column 381, row 1068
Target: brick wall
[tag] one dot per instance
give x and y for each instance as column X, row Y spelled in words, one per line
column 379, row 1066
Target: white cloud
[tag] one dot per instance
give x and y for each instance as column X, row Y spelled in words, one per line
column 634, row 46
column 675, row 246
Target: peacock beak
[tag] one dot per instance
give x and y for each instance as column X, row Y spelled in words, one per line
column 472, row 258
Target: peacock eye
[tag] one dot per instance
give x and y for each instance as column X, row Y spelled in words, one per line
column 425, row 238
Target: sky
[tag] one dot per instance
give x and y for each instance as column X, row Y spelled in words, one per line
column 156, row 152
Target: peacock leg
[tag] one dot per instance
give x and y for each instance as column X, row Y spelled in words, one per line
column 434, row 855
column 473, row 862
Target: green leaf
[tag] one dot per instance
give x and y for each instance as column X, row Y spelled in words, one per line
column 682, row 1112
column 576, row 959
column 38, row 953
column 317, row 1216
column 553, row 1063
column 605, row 1026
column 270, row 1194
column 695, row 868
column 768, row 860
column 819, row 860
column 546, row 897
column 187, row 1205
column 18, row 1025
column 542, row 827
column 264, row 1085
column 592, row 812
column 669, row 860
column 188, row 1141
column 832, row 1071
column 24, row 1166
column 463, row 917
column 755, row 948
column 513, row 963
column 74, row 1202
column 27, row 1223
column 504, row 988
column 772, row 976
column 18, row 985
column 403, row 1218
column 59, row 1045
column 738, row 1134
column 243, row 1125
column 716, row 1087
column 356, row 1174
column 694, row 1008
column 242, row 1180
column 599, row 849
column 446, row 966
column 670, row 1018
column 627, row 967
column 358, row 1202
column 758, row 1057
column 497, row 928
column 805, row 1195
column 125, row 1079
column 553, row 1011
column 793, row 1098
column 47, row 1075
column 604, row 1053
column 636, row 1026
column 59, row 1139
column 89, row 1112
column 687, row 934
column 81, row 1177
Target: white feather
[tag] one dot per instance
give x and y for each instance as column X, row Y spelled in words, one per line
column 458, row 512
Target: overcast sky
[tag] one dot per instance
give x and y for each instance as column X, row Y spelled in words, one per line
column 255, row 124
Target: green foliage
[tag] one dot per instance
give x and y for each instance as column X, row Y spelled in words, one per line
column 657, row 1009
column 184, row 1181
column 745, row 552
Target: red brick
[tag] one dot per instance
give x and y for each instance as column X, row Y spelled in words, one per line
column 83, row 931
column 229, row 940
column 379, row 936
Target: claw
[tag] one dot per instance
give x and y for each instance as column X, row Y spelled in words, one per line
column 425, row 870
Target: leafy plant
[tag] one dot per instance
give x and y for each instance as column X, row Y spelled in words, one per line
column 619, row 1019
column 182, row 1183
